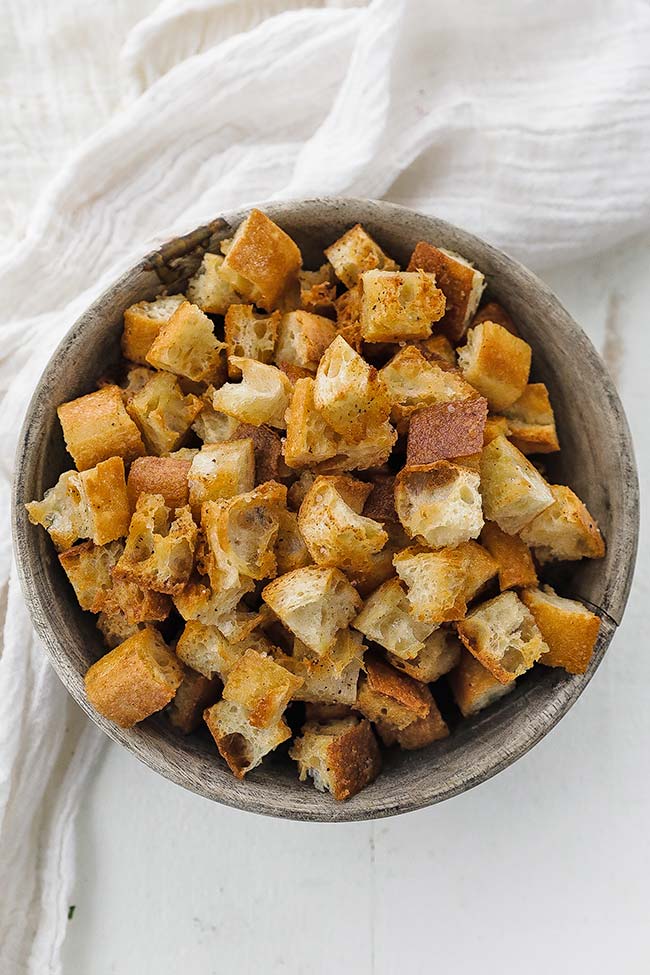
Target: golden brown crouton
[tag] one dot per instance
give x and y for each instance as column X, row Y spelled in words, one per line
column 159, row 550
column 97, row 426
column 440, row 653
column 159, row 475
column 302, row 339
column 435, row 583
column 240, row 744
column 199, row 601
column 333, row 532
column 474, row 687
column 399, row 305
column 163, row 414
column 261, row 687
column 267, row 444
column 136, row 679
column 354, row 253
column 442, row 505
column 310, row 439
column 492, row 311
column 387, row 620
column 531, row 421
column 195, row 693
column 516, row 566
column 496, row 363
column 212, row 426
column 187, row 346
column 290, row 549
column 445, row 431
column 206, row 650
column 249, row 335
column 437, row 348
column 262, row 396
column 414, row 382
column 389, row 697
column 115, row 628
column 568, row 628
column 461, row 284
column 514, row 492
column 340, row 756
column 262, row 261
column 495, row 426
column 142, row 322
column 503, row 635
column 349, row 393
column 221, row 470
column 331, row 679
column 564, row 531
column 318, row 291
column 89, row 569
column 348, row 313
column 209, row 289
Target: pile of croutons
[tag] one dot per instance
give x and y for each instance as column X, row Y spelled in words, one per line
column 303, row 507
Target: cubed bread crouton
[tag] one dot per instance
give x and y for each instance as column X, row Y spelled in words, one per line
column 210, row 425
column 249, row 335
column 159, row 550
column 331, row 679
column 441, row 505
column 136, row 679
column 199, row 601
column 290, row 549
column 389, row 698
column 61, row 512
column 503, row 635
column 159, row 475
column 302, row 339
column 460, row 282
column 564, row 531
column 240, row 744
column 386, row 619
column 349, row 393
column 318, row 291
column 354, row 253
column 371, row 452
column 163, row 414
column 474, row 687
column 480, row 568
column 437, row 348
column 97, row 426
column 446, row 431
column 241, row 627
column 221, row 470
column 209, row 652
column 142, row 322
column 496, row 363
column 374, row 570
column 267, row 445
column 210, row 289
column 310, row 440
column 513, row 491
column 89, row 570
column 399, row 305
column 261, row 687
column 333, row 532
column 495, row 426
column 123, row 604
column 568, row 628
column 531, row 421
column 115, row 628
column 340, row 756
column 187, row 346
column 195, row 693
column 435, row 583
column 136, row 378
column 262, row 396
column 492, row 311
column 413, row 382
column 516, row 566
column 314, row 603
column 262, row 261
column 418, row 734
column 441, row 652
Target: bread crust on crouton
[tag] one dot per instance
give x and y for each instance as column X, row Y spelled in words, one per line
column 474, row 687
column 399, row 305
column 97, row 427
column 516, row 566
column 391, row 699
column 531, row 421
column 267, row 445
column 262, row 261
column 194, row 694
column 341, row 756
column 354, row 253
column 461, row 284
column 492, row 311
column 445, row 431
column 568, row 628
column 496, row 363
column 495, row 426
column 142, row 323
column 159, row 475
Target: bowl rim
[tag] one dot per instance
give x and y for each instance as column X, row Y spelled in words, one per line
column 146, row 751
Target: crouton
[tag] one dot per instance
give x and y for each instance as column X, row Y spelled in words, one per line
column 159, row 550
column 221, row 470
column 163, row 414
column 480, row 568
column 314, row 602
column 348, row 392
column 261, row 687
column 240, row 745
column 446, row 431
column 210, row 425
column 460, row 282
column 356, row 252
column 290, row 550
column 241, row 627
column 142, row 322
column 531, row 421
column 89, row 570
column 474, row 687
column 418, row 734
column 187, row 346
column 348, row 314
column 134, row 680
column 136, row 603
column 115, row 628
column 387, row 620
column 318, row 291
column 97, row 426
column 516, row 566
column 435, row 582
column 159, row 475
column 496, row 363
column 374, row 570
column 302, row 339
column 568, row 628
column 340, row 756
column 195, row 693
column 262, row 261
column 331, row 679
column 249, row 335
column 441, row 505
column 333, row 532
column 399, row 305
column 564, row 531
column 297, row 491
column 267, row 445
column 440, row 653
column 210, row 289
column 310, row 439
column 207, row 651
column 372, row 451
column 390, row 698
column 437, row 348
column 198, row 601
column 413, row 382
column 513, row 491
column 503, row 636
column 262, row 396
column 495, row 426
column 492, row 311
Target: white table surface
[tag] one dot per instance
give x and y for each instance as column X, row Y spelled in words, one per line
column 543, row 868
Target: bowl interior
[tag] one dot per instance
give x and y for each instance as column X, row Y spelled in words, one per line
column 596, row 460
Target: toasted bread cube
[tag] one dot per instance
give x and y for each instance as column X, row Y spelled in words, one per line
column 159, row 550
column 187, row 346
column 310, row 439
column 441, row 505
column 480, row 568
column 503, row 636
column 437, row 348
column 208, row 652
column 460, row 282
column 210, row 289
column 399, row 305
column 290, row 549
column 391, row 699
column 97, row 426
column 492, row 311
column 375, row 570
column 516, row 566
column 333, row 532
column 568, row 628
column 513, row 491
column 240, row 744
column 340, row 756
column 115, row 627
column 89, row 570
column 267, row 445
column 440, row 654
column 419, row 734
column 445, row 431
column 142, row 322
column 318, row 291
column 262, row 396
column 261, row 687
column 372, row 451
column 159, row 475
column 435, row 583
column 496, row 363
column 387, row 620
column 61, row 512
column 297, row 491
column 314, row 603
column 354, row 253
column 198, row 601
column 163, row 413
column 531, row 421
column 135, row 680
column 495, row 426
column 413, row 382
column 302, row 339
column 210, row 425
column 249, row 335
column 262, row 261
column 331, row 679
column 221, row 470
column 348, row 392
column 564, row 531
column 474, row 687
column 195, row 693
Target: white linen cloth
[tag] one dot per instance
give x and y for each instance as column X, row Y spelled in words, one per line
column 528, row 124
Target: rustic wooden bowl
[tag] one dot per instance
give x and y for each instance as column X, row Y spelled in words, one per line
column 597, row 460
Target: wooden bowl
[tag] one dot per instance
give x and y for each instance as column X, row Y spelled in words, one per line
column 596, row 459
